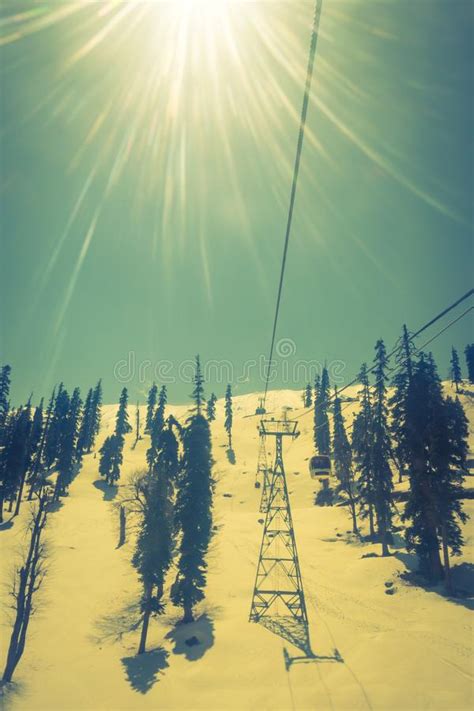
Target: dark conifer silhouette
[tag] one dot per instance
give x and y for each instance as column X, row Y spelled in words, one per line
column 14, row 455
column 397, row 402
column 198, row 392
column 308, row 396
column 362, row 447
column 322, row 436
column 381, row 449
column 211, row 408
column 456, row 375
column 469, row 355
column 5, row 379
column 193, row 508
column 151, row 404
column 68, row 458
column 343, row 461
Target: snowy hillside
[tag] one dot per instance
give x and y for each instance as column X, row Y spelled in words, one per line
column 409, row 650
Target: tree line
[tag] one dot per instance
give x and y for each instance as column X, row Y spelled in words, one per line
column 403, row 424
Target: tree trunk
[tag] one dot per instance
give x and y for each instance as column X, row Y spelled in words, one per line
column 447, row 567
column 145, row 620
column 371, row 521
column 1, row 508
column 354, row 516
column 20, row 494
column 188, row 614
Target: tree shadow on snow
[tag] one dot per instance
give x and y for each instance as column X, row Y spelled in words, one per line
column 143, row 670
column 231, row 456
column 194, row 638
column 6, row 525
column 113, row 626
column 462, row 577
column 109, row 491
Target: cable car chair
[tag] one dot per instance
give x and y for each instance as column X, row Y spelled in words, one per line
column 319, row 466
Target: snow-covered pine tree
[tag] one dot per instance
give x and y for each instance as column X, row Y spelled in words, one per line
column 381, row 449
column 469, row 355
column 193, row 507
column 150, row 406
column 456, row 375
column 322, row 435
column 156, row 539
column 228, row 414
column 211, row 408
column 343, row 461
column 362, row 442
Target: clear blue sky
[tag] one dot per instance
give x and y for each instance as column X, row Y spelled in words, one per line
column 146, row 156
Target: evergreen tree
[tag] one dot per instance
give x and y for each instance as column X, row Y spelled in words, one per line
column 67, row 444
column 381, row 449
column 362, row 447
column 157, row 425
column 5, row 373
column 59, row 415
column 193, row 508
column 469, row 354
column 14, row 455
column 322, row 436
column 32, row 449
column 211, row 408
column 106, row 458
column 228, row 414
column 198, row 392
column 155, row 542
column 137, row 425
column 397, row 401
column 456, row 375
column 35, row 480
column 151, row 404
column 122, row 425
column 86, row 432
column 96, row 413
column 308, row 396
column 436, row 432
column 343, row 461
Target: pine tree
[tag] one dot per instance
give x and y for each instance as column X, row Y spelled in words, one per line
column 308, row 396
column 35, row 480
column 137, row 425
column 151, row 404
column 157, row 425
column 193, row 508
column 32, row 449
column 343, row 461
column 122, row 425
column 397, row 401
column 456, row 374
column 437, row 440
column 106, row 458
column 322, row 436
column 60, row 411
column 96, row 414
column 14, row 455
column 381, row 449
column 67, row 458
column 86, row 432
column 5, row 373
column 198, row 392
column 155, row 542
column 362, row 447
column 469, row 354
column 211, row 408
column 228, row 414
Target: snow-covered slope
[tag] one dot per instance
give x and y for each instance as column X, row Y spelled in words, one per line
column 410, row 650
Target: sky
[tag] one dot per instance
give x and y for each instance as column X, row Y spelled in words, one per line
column 146, row 159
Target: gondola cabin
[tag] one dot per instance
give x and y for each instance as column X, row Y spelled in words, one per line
column 319, row 466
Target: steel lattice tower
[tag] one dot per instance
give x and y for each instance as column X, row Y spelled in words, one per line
column 278, row 576
column 264, row 472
